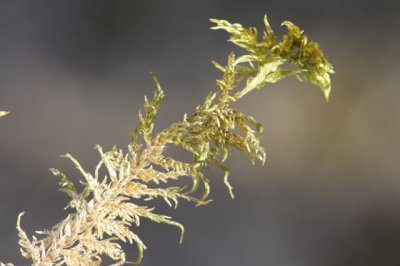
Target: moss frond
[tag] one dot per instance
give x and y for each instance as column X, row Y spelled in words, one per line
column 266, row 57
column 108, row 207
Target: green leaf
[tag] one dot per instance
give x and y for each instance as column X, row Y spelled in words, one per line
column 65, row 184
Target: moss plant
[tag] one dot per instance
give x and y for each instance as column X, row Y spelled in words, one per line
column 107, row 208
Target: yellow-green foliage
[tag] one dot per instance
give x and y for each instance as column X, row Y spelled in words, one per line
column 108, row 206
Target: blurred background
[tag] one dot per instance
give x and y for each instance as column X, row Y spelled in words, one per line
column 74, row 73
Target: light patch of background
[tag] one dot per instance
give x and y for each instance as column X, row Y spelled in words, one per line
column 73, row 74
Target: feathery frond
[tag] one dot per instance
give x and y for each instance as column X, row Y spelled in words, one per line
column 108, row 207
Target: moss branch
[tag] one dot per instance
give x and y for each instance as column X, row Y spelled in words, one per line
column 108, row 207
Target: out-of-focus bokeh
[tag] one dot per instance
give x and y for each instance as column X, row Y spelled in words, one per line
column 74, row 73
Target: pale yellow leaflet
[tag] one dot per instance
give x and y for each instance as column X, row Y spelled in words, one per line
column 3, row 113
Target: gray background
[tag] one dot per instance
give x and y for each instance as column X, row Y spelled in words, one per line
column 74, row 73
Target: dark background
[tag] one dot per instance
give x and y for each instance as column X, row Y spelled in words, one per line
column 73, row 74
